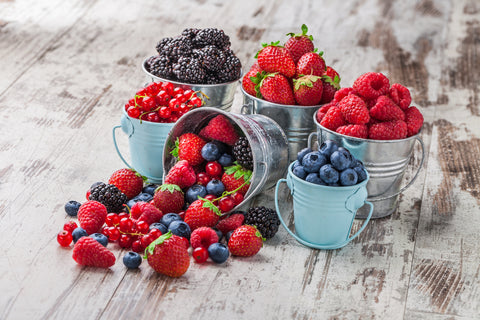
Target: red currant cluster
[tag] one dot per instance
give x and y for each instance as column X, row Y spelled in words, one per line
column 162, row 102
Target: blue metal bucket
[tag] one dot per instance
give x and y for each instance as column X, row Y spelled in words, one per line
column 323, row 215
column 146, row 140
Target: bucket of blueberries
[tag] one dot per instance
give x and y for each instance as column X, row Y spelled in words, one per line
column 328, row 186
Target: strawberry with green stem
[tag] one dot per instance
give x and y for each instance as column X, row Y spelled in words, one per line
column 299, row 43
column 274, row 58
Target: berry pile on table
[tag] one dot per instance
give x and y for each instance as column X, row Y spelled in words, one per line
column 292, row 74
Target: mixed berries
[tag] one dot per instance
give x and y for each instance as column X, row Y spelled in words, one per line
column 373, row 109
column 292, row 74
column 163, row 102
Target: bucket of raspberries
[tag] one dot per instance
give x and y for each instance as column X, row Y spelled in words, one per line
column 200, row 59
column 378, row 124
column 328, row 186
column 147, row 118
column 288, row 82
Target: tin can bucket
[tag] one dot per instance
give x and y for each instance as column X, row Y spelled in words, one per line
column 267, row 141
column 296, row 121
column 385, row 161
column 323, row 215
column 219, row 95
column 146, row 141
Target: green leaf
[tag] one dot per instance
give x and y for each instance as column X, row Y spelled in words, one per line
column 169, row 187
column 209, row 205
column 151, row 247
column 174, row 152
column 304, row 29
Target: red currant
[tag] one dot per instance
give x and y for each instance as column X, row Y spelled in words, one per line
column 181, row 98
column 64, row 238
column 203, row 178
column 112, row 219
column 152, row 89
column 164, row 112
column 70, row 226
column 237, row 198
column 113, row 234
column 226, row 204
column 200, row 254
column 163, row 97
column 133, row 112
column 153, row 117
column 168, row 86
column 146, row 240
column 122, row 215
column 182, row 215
column 125, row 241
column 142, row 227
column 105, row 230
column 155, row 233
column 174, row 118
column 173, row 103
column 177, row 91
column 210, row 197
column 126, row 225
column 195, row 102
column 141, row 92
column 183, row 108
column 137, row 246
column 87, row 195
column 189, row 93
column 213, row 169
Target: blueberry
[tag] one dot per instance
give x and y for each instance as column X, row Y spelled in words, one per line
column 346, row 153
column 228, row 235
column 348, row 177
column 219, row 233
column 71, row 208
column 194, row 191
column 302, row 153
column 340, row 160
column 215, row 187
column 131, row 202
column 96, row 184
column 150, row 189
column 180, row 228
column 213, row 150
column 313, row 161
column 100, row 238
column 329, row 174
column 328, row 147
column 169, row 218
column 159, row 226
column 299, row 171
column 314, row 178
column 78, row 233
column 361, row 174
column 225, row 160
column 132, row 260
column 145, row 197
column 356, row 163
column 218, row 252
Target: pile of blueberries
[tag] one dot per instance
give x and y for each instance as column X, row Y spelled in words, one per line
column 331, row 165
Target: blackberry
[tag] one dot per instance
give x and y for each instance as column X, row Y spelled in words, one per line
column 231, row 69
column 109, row 196
column 212, row 36
column 189, row 70
column 162, row 43
column 177, row 47
column 265, row 219
column 211, row 78
column 211, row 57
column 160, row 66
column 243, row 153
column 190, row 32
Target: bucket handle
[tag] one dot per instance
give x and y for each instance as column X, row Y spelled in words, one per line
column 411, row 181
column 310, row 139
column 315, row 245
column 116, row 146
column 247, row 108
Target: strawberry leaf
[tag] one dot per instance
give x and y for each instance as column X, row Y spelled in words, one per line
column 238, row 172
column 151, row 247
column 264, row 45
column 174, row 152
column 169, row 187
column 209, row 205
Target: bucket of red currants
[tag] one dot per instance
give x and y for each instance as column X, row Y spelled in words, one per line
column 147, row 119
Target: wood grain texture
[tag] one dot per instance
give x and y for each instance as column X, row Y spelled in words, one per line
column 67, row 69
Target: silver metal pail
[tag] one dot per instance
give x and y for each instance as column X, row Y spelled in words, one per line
column 267, row 140
column 219, row 95
column 296, row 121
column 385, row 161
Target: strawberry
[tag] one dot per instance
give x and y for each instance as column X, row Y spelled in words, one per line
column 189, row 147
column 91, row 216
column 251, row 79
column 89, row 252
column 333, row 119
column 385, row 110
column 354, row 130
column 234, row 177
column 148, row 212
column 308, row 90
column 203, row 237
column 221, row 129
column 181, row 174
column 245, row 241
column 299, row 44
column 167, row 255
column 414, row 120
column 127, row 181
column 311, row 63
column 202, row 213
column 230, row 223
column 354, row 109
column 331, row 83
column 388, row 130
column 169, row 198
column 275, row 88
column 274, row 58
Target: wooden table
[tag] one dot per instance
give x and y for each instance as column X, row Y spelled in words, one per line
column 68, row 67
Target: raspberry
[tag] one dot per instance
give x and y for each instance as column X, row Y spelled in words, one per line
column 400, row 95
column 230, row 223
column 371, row 85
column 354, row 109
column 91, row 216
column 333, row 119
column 342, row 93
column 324, row 109
column 414, row 120
column 389, row 130
column 385, row 109
column 354, row 130
column 203, row 237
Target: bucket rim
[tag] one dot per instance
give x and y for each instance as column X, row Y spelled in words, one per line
column 292, row 106
column 150, row 123
column 416, row 136
column 322, row 187
column 224, row 84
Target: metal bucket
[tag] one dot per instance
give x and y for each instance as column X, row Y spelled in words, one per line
column 146, row 140
column 296, row 121
column 219, row 95
column 385, row 161
column 267, row 141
